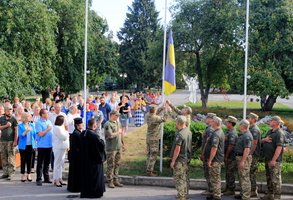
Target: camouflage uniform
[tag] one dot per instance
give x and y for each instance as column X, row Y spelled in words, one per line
column 179, row 112
column 273, row 174
column 7, row 149
column 255, row 156
column 244, row 141
column 216, row 140
column 207, row 133
column 113, row 150
column 153, row 136
column 230, row 164
column 183, row 138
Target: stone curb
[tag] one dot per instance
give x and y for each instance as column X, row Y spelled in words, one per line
column 196, row 184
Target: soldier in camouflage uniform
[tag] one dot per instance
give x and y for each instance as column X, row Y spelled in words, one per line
column 273, row 145
column 180, row 155
column 185, row 111
column 114, row 144
column 255, row 151
column 230, row 159
column 214, row 152
column 243, row 158
column 207, row 133
column 153, row 136
column 8, row 141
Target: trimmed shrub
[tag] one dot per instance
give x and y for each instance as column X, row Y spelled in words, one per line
column 197, row 129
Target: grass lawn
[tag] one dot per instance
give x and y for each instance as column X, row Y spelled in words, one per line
column 134, row 159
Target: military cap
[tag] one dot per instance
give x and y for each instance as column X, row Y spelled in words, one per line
column 188, row 109
column 278, row 119
column 114, row 112
column 253, row 116
column 231, row 119
column 211, row 115
column 218, row 120
column 77, row 121
column 152, row 108
column 7, row 107
column 181, row 119
column 244, row 122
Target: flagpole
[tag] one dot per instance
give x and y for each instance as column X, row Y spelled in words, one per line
column 85, row 61
column 246, row 60
column 163, row 77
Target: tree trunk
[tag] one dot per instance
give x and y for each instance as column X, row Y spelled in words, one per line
column 45, row 95
column 268, row 103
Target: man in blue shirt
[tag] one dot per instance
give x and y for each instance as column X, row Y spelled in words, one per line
column 44, row 145
column 105, row 108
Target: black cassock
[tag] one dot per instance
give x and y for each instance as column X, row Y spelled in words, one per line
column 92, row 157
column 74, row 176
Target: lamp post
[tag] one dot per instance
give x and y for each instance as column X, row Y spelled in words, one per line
column 123, row 76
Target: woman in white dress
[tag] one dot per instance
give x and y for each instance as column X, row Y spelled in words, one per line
column 60, row 145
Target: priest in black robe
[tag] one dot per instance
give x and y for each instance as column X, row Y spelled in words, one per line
column 92, row 158
column 74, row 175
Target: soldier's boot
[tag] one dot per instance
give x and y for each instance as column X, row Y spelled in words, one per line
column 206, row 193
column 117, row 184
column 180, row 197
column 111, row 185
column 254, row 193
column 238, row 196
column 229, row 192
column 149, row 173
column 267, row 197
column 277, row 197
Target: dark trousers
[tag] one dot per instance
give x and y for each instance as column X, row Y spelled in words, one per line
column 33, row 158
column 26, row 159
column 43, row 162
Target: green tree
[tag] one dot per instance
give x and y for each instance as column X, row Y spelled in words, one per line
column 271, row 50
column 14, row 78
column 204, row 31
column 102, row 51
column 138, row 34
column 27, row 35
column 69, row 37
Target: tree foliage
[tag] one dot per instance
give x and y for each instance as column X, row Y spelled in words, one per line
column 27, row 36
column 204, row 31
column 138, row 38
column 271, row 50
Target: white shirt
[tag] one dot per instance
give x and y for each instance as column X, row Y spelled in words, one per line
column 60, row 138
column 53, row 116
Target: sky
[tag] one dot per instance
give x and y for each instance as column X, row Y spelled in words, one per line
column 115, row 11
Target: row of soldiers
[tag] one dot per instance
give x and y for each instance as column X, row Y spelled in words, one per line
column 239, row 152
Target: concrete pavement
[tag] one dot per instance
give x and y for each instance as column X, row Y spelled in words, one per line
column 29, row 191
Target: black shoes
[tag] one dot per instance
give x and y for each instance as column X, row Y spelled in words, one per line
column 39, row 183
column 47, row 181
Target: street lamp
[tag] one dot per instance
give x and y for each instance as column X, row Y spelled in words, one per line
column 123, row 76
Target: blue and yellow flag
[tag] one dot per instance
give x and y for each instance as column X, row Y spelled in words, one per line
column 169, row 77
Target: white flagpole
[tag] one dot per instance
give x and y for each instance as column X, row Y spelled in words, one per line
column 85, row 61
column 246, row 61
column 163, row 77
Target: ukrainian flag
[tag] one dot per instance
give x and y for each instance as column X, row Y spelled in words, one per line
column 169, row 77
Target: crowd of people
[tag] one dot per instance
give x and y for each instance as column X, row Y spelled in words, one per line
column 53, row 128
column 50, row 129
